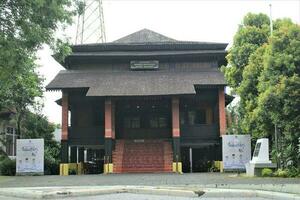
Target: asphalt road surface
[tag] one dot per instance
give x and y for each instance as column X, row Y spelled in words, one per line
column 128, row 196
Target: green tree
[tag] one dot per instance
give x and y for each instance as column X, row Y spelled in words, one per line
column 24, row 27
column 279, row 87
column 251, row 34
column 267, row 81
column 251, row 122
column 244, row 66
column 233, row 119
column 21, row 91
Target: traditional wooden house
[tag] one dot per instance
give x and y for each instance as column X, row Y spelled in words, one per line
column 145, row 101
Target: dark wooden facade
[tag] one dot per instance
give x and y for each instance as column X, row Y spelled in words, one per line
column 182, row 101
column 87, row 116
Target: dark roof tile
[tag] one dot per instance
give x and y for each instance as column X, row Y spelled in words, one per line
column 148, row 40
column 144, row 36
column 135, row 83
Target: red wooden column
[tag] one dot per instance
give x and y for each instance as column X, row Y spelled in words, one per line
column 113, row 117
column 108, row 135
column 177, row 167
column 108, row 118
column 222, row 113
column 175, row 117
column 64, row 127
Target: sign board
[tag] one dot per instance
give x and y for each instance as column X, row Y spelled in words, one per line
column 236, row 151
column 144, row 64
column 30, row 156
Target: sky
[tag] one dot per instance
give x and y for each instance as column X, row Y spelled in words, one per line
column 194, row 20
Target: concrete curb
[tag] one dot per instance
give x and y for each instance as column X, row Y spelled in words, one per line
column 282, row 188
column 63, row 192
column 249, row 193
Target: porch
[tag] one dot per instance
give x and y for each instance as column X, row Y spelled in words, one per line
column 97, row 126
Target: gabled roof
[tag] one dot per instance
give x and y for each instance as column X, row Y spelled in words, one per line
column 136, row 83
column 144, row 36
column 144, row 44
column 148, row 40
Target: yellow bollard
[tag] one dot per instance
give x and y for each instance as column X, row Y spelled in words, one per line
column 177, row 167
column 79, row 168
column 64, row 169
column 108, row 168
column 221, row 166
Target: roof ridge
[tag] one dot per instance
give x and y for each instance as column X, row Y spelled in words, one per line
column 144, row 36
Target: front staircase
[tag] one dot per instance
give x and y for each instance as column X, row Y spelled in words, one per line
column 142, row 156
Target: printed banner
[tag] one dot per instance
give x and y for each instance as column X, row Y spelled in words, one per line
column 30, row 156
column 236, row 151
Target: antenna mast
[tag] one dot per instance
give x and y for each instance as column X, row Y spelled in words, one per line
column 90, row 23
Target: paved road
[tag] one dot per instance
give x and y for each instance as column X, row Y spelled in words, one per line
column 153, row 197
column 139, row 179
column 139, row 197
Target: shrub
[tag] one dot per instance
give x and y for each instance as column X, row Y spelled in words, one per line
column 51, row 167
column 72, row 172
column 2, row 157
column 266, row 172
column 51, row 164
column 293, row 172
column 8, row 167
column 281, row 173
column 51, row 159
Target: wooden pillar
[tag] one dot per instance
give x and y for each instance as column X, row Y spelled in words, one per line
column 176, row 135
column 108, row 118
column 175, row 117
column 222, row 113
column 65, row 116
column 64, row 127
column 109, row 135
column 113, row 110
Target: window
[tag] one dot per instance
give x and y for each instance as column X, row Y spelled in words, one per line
column 9, row 130
column 132, row 122
column 194, row 117
column 158, row 122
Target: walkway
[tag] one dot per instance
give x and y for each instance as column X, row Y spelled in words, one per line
column 141, row 179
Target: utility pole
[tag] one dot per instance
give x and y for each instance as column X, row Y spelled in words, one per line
column 90, row 23
column 278, row 161
column 276, row 146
